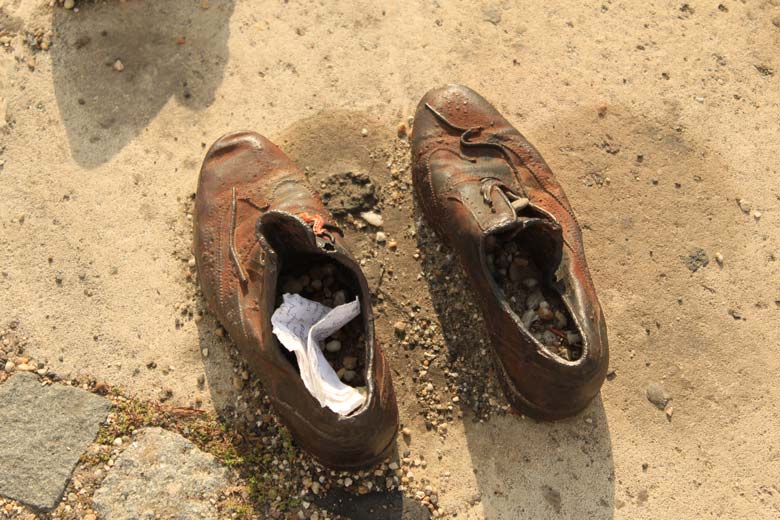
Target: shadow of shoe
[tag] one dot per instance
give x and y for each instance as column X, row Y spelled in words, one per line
column 544, row 470
column 524, row 468
column 166, row 49
column 390, row 505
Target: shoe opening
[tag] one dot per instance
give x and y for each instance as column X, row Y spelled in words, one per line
column 318, row 278
column 523, row 264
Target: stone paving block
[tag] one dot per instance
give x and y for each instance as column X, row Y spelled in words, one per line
column 43, row 432
column 161, row 475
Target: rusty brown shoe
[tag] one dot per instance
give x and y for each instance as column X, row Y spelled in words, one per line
column 489, row 194
column 258, row 227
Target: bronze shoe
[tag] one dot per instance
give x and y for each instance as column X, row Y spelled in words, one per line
column 489, row 194
column 257, row 219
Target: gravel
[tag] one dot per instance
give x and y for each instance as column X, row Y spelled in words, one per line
column 540, row 308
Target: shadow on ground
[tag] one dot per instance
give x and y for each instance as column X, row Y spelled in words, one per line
column 167, row 49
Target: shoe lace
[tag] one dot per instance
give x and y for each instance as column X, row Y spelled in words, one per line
column 320, row 228
column 507, row 152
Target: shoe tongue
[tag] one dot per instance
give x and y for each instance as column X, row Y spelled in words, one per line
column 526, row 220
column 286, row 233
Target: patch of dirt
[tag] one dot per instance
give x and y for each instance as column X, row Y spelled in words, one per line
column 348, row 192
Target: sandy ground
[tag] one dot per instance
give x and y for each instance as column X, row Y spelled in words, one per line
column 97, row 167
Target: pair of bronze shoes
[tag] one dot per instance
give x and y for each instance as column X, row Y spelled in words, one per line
column 478, row 182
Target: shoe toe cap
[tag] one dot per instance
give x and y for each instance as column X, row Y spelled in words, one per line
column 459, row 105
column 238, row 158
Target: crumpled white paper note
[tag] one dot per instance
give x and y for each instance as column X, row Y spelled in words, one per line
column 300, row 325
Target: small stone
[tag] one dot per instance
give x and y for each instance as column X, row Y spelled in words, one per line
column 372, row 218
column 69, row 4
column 544, row 311
column 657, row 395
column 205, row 352
column 119, row 66
column 348, row 376
column 560, row 319
column 201, row 380
column 24, row 367
column 400, row 328
column 315, row 487
column 534, row 299
column 333, row 346
column 9, row 366
column 530, row 282
column 364, row 132
column 392, row 245
column 572, row 338
column 757, row 214
column 734, row 313
column 349, row 362
column 347, row 482
column 393, row 466
column 744, row 205
column 339, row 298
column 406, row 432
column 117, row 441
column 381, row 238
column 529, row 317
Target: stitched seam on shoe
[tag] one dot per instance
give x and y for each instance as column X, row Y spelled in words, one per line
column 241, row 312
column 220, row 290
